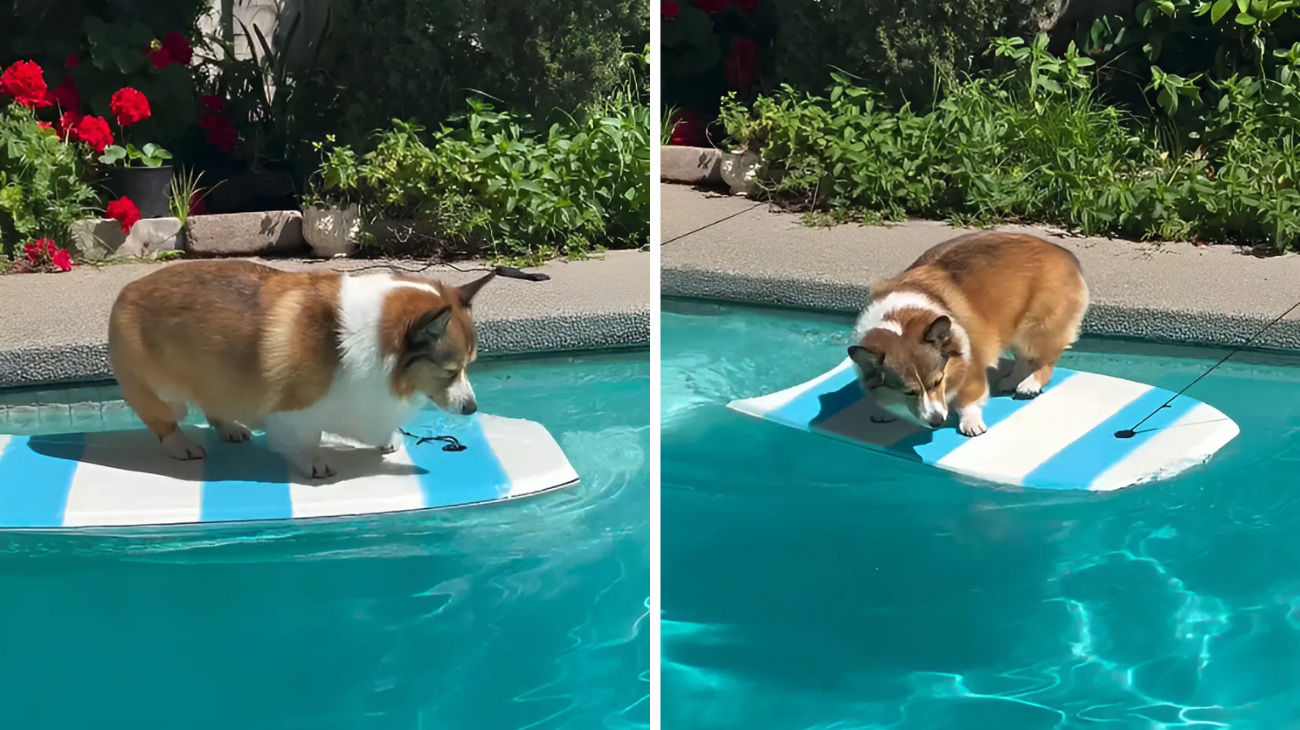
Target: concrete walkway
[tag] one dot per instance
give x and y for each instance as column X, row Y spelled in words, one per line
column 1168, row 292
column 54, row 327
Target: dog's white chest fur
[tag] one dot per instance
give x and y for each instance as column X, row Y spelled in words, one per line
column 360, row 404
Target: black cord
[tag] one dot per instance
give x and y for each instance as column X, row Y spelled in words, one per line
column 452, row 443
column 1129, row 433
column 707, row 225
column 508, row 272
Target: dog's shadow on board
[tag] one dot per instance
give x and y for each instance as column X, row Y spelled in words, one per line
column 138, row 451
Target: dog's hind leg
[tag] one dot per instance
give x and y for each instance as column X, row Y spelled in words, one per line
column 161, row 417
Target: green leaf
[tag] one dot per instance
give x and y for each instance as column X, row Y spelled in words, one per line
column 112, row 155
column 1219, row 9
column 1243, row 5
column 1244, row 19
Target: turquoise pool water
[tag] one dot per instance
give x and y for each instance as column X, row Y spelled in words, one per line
column 813, row 584
column 529, row 614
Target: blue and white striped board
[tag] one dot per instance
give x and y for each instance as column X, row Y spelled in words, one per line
column 122, row 478
column 1063, row 439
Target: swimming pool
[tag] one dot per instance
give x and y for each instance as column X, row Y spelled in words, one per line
column 814, row 584
column 523, row 614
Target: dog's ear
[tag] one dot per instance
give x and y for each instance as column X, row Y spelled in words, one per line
column 869, row 363
column 939, row 330
column 940, row 334
column 866, row 359
column 467, row 291
column 429, row 327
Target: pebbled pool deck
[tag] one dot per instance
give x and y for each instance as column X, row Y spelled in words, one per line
column 1170, row 292
column 54, row 327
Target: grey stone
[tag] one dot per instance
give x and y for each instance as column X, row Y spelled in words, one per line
column 246, row 234
column 96, row 239
column 690, row 165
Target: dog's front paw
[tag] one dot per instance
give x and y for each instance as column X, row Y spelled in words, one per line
column 321, row 469
column 232, row 432
column 393, row 444
column 180, row 446
column 314, row 466
column 1028, row 388
column 972, row 422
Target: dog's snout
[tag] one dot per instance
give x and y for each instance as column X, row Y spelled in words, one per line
column 468, row 408
column 936, row 420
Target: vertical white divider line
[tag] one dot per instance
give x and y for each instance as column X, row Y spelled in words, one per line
column 656, row 122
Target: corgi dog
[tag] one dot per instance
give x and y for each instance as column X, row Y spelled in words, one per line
column 926, row 342
column 298, row 354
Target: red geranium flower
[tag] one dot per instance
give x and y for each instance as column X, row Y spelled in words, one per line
column 72, row 61
column 25, row 82
column 221, row 133
column 94, row 132
column 178, row 47
column 690, row 129
column 741, row 67
column 66, row 96
column 669, row 9
column 45, row 125
column 36, row 249
column 43, row 250
column 61, row 259
column 123, row 209
column 68, row 125
column 213, row 104
column 129, row 106
column 159, row 57
column 712, row 7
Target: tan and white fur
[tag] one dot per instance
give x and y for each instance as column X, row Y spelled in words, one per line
column 299, row 354
column 928, row 339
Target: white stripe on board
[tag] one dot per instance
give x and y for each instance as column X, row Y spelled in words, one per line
column 1182, row 444
column 4, row 441
column 764, row 404
column 1042, row 428
column 528, row 454
column 124, row 478
column 365, row 486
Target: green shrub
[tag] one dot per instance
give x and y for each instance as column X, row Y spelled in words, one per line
column 489, row 178
column 42, row 190
column 421, row 59
column 899, row 46
column 1033, row 144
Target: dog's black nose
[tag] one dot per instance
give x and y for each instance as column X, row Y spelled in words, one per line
column 937, row 420
column 469, row 408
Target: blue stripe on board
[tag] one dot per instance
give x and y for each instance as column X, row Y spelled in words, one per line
column 457, row 477
column 36, row 478
column 1077, row 465
column 244, row 482
column 826, row 400
column 931, row 446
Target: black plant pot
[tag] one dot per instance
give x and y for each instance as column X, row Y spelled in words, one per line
column 148, row 187
column 255, row 192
